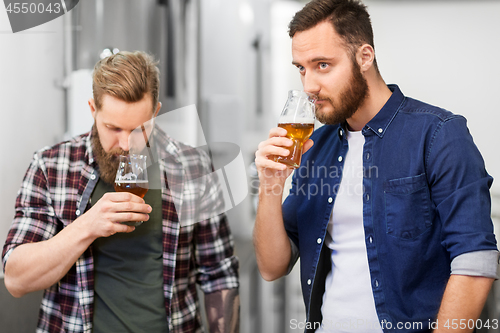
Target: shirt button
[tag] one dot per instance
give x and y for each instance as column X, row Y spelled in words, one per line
column 370, row 239
column 92, row 176
column 375, row 283
column 341, row 132
column 309, row 282
column 340, row 158
column 367, row 156
column 330, row 199
column 319, row 240
column 77, row 212
column 380, row 130
column 367, row 197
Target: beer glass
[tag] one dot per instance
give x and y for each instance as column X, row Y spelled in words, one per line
column 297, row 118
column 132, row 176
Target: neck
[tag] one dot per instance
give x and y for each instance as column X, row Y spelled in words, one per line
column 378, row 94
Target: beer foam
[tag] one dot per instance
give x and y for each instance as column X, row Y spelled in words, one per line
column 295, row 120
column 127, row 181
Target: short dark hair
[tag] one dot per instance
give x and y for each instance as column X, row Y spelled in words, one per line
column 127, row 76
column 349, row 18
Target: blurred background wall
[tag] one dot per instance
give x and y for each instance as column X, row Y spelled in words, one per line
column 231, row 59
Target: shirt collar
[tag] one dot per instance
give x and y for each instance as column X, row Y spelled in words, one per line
column 384, row 117
column 88, row 151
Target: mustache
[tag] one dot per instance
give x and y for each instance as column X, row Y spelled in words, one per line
column 324, row 98
column 116, row 152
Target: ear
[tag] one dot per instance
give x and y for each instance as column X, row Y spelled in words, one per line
column 92, row 107
column 157, row 109
column 365, row 57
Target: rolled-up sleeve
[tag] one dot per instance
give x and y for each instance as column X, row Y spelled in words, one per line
column 460, row 190
column 34, row 219
column 217, row 265
column 477, row 263
column 214, row 245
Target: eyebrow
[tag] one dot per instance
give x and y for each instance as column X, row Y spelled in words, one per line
column 111, row 125
column 317, row 59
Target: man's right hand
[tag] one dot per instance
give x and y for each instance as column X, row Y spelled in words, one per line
column 273, row 174
column 106, row 215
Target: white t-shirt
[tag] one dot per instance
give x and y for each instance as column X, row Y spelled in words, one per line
column 348, row 304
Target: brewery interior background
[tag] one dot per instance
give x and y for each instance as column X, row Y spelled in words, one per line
column 231, row 60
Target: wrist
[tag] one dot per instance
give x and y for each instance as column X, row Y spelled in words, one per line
column 271, row 195
column 81, row 231
column 272, row 189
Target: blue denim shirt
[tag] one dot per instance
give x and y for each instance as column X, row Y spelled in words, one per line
column 425, row 201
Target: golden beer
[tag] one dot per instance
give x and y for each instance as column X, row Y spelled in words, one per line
column 139, row 188
column 298, row 133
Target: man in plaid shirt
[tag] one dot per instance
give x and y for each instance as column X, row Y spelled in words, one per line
column 99, row 273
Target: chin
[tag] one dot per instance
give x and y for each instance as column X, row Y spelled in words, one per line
column 322, row 114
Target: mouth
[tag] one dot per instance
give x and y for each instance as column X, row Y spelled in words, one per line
column 115, row 157
column 320, row 103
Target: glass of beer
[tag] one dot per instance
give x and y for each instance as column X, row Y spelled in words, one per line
column 297, row 118
column 132, row 176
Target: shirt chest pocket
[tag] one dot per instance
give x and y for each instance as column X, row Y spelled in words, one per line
column 407, row 206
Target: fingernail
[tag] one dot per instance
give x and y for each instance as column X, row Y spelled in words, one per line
column 150, row 209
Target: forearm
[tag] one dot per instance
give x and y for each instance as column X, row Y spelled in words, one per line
column 463, row 299
column 271, row 242
column 39, row 265
column 223, row 311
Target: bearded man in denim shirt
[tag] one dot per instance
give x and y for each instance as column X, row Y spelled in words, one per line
column 390, row 209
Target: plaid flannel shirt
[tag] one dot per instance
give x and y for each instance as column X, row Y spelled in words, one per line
column 198, row 249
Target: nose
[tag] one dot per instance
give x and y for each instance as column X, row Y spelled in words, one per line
column 310, row 84
column 123, row 140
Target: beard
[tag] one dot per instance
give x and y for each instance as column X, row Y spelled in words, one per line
column 107, row 161
column 349, row 100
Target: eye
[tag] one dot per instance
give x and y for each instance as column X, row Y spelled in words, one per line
column 113, row 129
column 323, row 65
column 301, row 68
